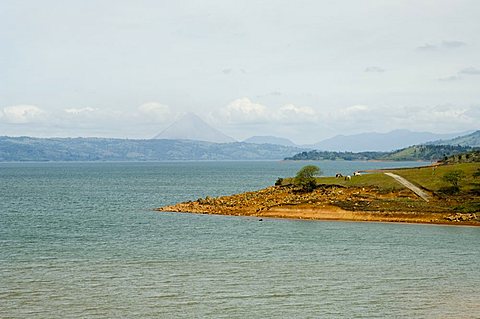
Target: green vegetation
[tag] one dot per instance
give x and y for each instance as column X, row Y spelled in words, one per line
column 426, row 153
column 454, row 178
column 431, row 177
column 469, row 157
column 453, row 187
column 305, row 178
column 459, row 189
column 412, row 153
column 380, row 181
column 106, row 149
column 472, row 140
column 333, row 156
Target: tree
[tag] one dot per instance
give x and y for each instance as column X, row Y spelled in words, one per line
column 305, row 177
column 477, row 173
column 454, row 178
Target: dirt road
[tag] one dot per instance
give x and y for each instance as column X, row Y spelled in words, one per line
column 425, row 196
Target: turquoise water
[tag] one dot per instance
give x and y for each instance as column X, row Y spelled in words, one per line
column 80, row 240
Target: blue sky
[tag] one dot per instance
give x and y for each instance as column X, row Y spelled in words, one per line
column 306, row 70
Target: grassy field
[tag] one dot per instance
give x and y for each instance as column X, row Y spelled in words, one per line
column 431, row 178
column 379, row 180
column 466, row 198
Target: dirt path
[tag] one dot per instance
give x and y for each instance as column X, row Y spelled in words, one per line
column 425, row 196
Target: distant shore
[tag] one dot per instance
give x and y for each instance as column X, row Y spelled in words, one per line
column 327, row 202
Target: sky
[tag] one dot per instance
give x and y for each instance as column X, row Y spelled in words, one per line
column 304, row 70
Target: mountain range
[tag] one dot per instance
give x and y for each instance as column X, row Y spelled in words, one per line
column 107, row 149
column 190, row 138
column 270, row 140
column 472, row 139
column 380, row 142
column 192, row 127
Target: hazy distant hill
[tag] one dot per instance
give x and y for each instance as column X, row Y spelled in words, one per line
column 426, row 152
column 379, row 141
column 269, row 140
column 412, row 153
column 472, row 140
column 192, row 127
column 103, row 149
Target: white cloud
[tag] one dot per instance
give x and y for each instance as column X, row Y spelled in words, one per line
column 470, row 71
column 451, row 44
column 427, row 47
column 76, row 111
column 350, row 112
column 450, row 78
column 374, row 69
column 290, row 113
column 244, row 110
column 20, row 114
column 155, row 111
column 466, row 71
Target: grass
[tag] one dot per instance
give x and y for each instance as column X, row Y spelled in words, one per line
column 379, row 180
column 432, row 178
column 466, row 200
column 429, row 178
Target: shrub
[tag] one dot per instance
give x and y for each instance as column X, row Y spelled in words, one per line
column 305, row 178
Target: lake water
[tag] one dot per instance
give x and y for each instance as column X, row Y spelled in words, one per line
column 80, row 240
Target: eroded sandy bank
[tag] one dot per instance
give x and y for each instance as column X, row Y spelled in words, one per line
column 328, row 203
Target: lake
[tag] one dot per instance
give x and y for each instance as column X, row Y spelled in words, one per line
column 81, row 240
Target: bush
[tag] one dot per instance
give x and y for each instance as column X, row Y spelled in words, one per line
column 454, row 177
column 305, row 178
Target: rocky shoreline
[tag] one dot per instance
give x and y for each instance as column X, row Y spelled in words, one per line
column 329, row 202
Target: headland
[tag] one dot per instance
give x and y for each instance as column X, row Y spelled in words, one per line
column 375, row 196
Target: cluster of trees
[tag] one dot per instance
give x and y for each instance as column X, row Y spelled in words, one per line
column 105, row 149
column 333, row 156
column 413, row 153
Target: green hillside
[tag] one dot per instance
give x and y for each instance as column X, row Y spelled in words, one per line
column 426, row 153
column 472, row 140
column 105, row 149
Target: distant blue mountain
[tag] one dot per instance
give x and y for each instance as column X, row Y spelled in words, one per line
column 269, row 140
column 380, row 142
column 192, row 127
column 472, row 140
column 106, row 149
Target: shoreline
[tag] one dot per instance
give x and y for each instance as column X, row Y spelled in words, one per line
column 335, row 219
column 327, row 203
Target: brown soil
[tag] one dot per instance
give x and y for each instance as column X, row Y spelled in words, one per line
column 329, row 202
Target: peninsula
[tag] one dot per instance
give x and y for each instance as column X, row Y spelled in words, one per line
column 445, row 193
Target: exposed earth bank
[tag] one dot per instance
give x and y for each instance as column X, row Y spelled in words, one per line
column 330, row 202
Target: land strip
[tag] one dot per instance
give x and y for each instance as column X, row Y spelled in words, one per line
column 384, row 196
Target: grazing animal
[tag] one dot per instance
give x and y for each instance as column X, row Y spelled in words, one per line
column 357, row 173
column 348, row 177
column 338, row 175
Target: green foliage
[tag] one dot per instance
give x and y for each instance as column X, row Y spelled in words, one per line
column 106, row 149
column 454, row 177
column 279, row 182
column 305, row 177
column 476, row 174
column 427, row 153
column 412, row 153
column 333, row 156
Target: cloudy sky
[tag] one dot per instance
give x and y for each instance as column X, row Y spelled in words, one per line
column 306, row 70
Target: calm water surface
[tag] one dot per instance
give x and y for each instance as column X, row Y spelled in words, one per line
column 80, row 240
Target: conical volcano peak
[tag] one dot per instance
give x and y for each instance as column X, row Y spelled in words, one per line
column 191, row 127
